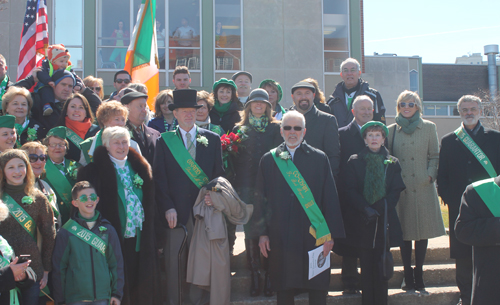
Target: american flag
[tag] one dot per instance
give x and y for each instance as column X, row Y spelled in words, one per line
column 34, row 38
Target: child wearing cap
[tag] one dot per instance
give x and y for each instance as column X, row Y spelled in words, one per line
column 56, row 58
column 87, row 259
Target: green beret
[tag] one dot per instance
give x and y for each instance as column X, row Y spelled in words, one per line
column 375, row 123
column 7, row 121
column 270, row 81
column 224, row 81
column 59, row 131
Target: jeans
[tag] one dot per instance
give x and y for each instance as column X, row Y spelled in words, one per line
column 30, row 295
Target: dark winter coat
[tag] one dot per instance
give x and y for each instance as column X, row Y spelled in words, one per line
column 322, row 107
column 150, row 137
column 279, row 215
column 101, row 174
column 230, row 118
column 41, row 132
column 359, row 233
column 458, row 168
column 476, row 226
column 338, row 105
column 74, row 152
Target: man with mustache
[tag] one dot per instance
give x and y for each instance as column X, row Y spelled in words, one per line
column 322, row 130
column 469, row 154
column 243, row 81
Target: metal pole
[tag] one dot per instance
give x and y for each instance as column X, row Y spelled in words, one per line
column 491, row 51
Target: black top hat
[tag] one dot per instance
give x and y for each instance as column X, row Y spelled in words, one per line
column 184, row 98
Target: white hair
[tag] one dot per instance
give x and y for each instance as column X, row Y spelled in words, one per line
column 115, row 132
column 293, row 115
column 361, row 98
column 4, row 211
column 350, row 60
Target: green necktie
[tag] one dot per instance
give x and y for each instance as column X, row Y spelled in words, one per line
column 60, row 167
column 191, row 147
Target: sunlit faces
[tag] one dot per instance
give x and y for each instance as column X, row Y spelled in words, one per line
column 407, row 108
column 86, row 202
column 258, row 108
column 224, row 94
column 76, row 111
column 64, row 89
column 7, row 138
column 121, row 81
column 470, row 112
column 164, row 107
column 350, row 74
column 374, row 140
column 273, row 95
column 117, row 120
column 182, row 81
column 244, row 84
column 293, row 137
column 118, row 148
column 202, row 112
column 56, row 149
column 18, row 107
column 15, row 171
column 39, row 165
column 363, row 111
column 185, row 117
column 61, row 62
column 303, row 99
column 137, row 111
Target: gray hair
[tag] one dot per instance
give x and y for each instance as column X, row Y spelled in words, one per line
column 293, row 115
column 469, row 98
column 4, row 211
column 350, row 60
column 359, row 98
column 115, row 132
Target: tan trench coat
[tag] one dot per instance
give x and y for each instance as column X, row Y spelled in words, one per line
column 418, row 207
column 208, row 259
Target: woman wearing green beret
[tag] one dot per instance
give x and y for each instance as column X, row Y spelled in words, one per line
column 227, row 107
column 8, row 134
column 275, row 92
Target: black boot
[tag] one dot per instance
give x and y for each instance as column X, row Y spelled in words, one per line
column 268, row 292
column 419, row 279
column 409, row 281
column 253, row 260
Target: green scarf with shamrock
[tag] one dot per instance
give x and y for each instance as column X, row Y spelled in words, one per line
column 259, row 124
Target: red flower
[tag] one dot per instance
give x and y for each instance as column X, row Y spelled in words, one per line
column 234, row 148
column 233, row 137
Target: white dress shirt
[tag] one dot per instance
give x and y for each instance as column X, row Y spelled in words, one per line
column 193, row 136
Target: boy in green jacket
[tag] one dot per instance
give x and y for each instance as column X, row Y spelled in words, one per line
column 87, row 259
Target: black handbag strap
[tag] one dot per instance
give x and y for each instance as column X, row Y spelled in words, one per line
column 393, row 138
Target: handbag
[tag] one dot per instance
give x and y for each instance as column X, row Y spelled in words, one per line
column 386, row 263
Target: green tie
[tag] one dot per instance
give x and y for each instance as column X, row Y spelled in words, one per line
column 191, row 147
column 60, row 167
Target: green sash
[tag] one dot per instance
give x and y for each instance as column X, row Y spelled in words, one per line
column 319, row 228
column 73, row 137
column 87, row 144
column 489, row 192
column 87, row 236
column 475, row 150
column 182, row 156
column 62, row 187
column 23, row 218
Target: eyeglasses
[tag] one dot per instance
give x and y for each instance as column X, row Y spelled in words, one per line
column 119, row 80
column 85, row 198
column 403, row 105
column 352, row 70
column 34, row 157
column 53, row 145
column 95, row 88
column 296, row 128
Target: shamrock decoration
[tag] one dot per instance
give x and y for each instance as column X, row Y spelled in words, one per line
column 202, row 139
column 32, row 136
column 285, row 155
column 102, row 229
column 138, row 182
column 27, row 200
column 388, row 161
column 72, row 170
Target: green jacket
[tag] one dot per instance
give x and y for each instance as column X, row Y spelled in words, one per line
column 80, row 272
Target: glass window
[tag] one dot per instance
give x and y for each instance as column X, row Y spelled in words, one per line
column 442, row 110
column 70, row 12
column 413, row 80
column 429, row 110
column 227, row 35
column 335, row 33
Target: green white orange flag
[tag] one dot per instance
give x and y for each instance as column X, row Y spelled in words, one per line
column 142, row 54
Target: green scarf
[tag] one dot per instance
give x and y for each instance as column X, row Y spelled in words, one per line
column 96, row 215
column 3, row 86
column 408, row 125
column 259, row 124
column 374, row 188
column 222, row 109
column 19, row 130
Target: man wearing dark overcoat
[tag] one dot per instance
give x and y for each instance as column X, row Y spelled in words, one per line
column 292, row 221
column 185, row 160
column 469, row 154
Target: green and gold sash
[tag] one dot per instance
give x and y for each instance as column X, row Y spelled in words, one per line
column 22, row 217
column 319, row 228
column 73, row 137
column 464, row 137
column 182, row 156
column 87, row 236
column 62, row 187
column 489, row 192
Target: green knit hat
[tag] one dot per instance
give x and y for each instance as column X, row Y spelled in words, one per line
column 271, row 81
column 59, row 131
column 7, row 121
column 375, row 123
column 224, row 81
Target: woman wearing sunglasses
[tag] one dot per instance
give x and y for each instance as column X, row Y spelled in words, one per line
column 95, row 84
column 414, row 142
column 260, row 132
column 37, row 155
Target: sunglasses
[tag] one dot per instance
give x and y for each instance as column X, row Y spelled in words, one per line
column 85, row 198
column 34, row 157
column 296, row 128
column 119, row 80
column 95, row 88
column 403, row 105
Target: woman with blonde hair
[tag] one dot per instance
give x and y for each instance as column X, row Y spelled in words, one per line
column 33, row 213
column 95, row 84
column 414, row 141
column 164, row 118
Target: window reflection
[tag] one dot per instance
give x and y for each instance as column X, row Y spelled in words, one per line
column 113, row 33
column 227, row 34
column 335, row 33
column 184, row 34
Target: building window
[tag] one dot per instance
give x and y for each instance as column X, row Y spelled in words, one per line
column 70, row 13
column 227, row 34
column 335, row 33
column 414, row 81
column 440, row 109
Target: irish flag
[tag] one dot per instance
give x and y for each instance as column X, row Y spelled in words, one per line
column 142, row 54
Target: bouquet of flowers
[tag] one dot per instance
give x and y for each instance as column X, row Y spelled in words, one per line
column 231, row 144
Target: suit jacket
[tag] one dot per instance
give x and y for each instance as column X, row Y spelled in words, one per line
column 150, row 137
column 174, row 189
column 74, row 152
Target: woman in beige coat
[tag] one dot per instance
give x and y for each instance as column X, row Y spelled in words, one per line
column 414, row 142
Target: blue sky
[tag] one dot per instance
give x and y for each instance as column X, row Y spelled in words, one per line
column 437, row 30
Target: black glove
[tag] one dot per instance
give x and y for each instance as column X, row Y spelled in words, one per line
column 370, row 214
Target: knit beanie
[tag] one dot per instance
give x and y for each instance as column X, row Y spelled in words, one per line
column 56, row 51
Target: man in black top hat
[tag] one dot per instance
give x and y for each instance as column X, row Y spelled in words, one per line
column 243, row 81
column 183, row 158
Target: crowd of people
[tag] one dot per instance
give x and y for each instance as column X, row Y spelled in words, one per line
column 102, row 196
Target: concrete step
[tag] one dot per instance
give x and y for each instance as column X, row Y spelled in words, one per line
column 434, row 275
column 443, row 295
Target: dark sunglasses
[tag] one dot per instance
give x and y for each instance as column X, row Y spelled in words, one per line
column 296, row 128
column 119, row 80
column 403, row 105
column 95, row 88
column 34, row 157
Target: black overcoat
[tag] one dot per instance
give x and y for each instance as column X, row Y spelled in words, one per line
column 230, row 118
column 150, row 137
column 476, row 226
column 74, row 152
column 458, row 168
column 174, row 189
column 359, row 233
column 280, row 216
column 102, row 175
column 41, row 131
